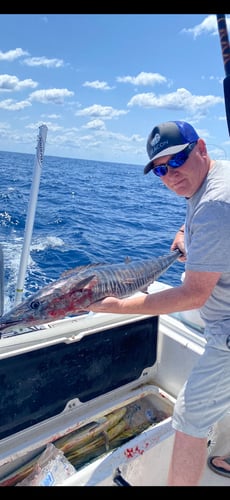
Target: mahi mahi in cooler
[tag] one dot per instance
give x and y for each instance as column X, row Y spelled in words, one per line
column 77, row 288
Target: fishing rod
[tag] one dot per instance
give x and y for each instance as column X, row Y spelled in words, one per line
column 225, row 48
column 40, row 149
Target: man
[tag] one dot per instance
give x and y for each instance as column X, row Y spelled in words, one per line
column 179, row 157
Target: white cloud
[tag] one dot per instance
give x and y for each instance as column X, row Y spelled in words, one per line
column 10, row 83
column 11, row 55
column 143, row 79
column 95, row 125
column 181, row 99
column 96, row 84
column 208, row 25
column 43, row 61
column 11, row 105
column 106, row 112
column 55, row 96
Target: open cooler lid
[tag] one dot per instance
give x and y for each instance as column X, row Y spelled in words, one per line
column 38, row 383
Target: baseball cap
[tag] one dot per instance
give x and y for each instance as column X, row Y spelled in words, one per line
column 169, row 138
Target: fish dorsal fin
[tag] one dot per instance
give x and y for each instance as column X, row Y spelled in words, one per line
column 79, row 269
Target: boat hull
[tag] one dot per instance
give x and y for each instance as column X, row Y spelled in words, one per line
column 63, row 384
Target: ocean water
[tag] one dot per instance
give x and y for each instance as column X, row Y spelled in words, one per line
column 86, row 212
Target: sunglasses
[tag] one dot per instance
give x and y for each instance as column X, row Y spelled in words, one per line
column 176, row 161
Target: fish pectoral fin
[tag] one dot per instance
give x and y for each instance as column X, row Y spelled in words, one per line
column 143, row 289
column 84, row 281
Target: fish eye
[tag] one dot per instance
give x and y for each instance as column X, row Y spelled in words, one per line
column 35, row 304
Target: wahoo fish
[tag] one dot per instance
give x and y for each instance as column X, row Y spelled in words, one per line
column 77, row 288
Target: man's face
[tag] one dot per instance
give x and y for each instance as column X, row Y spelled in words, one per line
column 186, row 179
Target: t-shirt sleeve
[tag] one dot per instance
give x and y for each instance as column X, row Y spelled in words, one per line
column 209, row 238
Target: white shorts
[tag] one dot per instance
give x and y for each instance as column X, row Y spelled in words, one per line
column 205, row 397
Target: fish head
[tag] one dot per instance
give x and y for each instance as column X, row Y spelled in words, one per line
column 53, row 302
column 35, row 310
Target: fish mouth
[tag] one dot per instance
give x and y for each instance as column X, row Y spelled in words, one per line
column 9, row 324
column 11, row 328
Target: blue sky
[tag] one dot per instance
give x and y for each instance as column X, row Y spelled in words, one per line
column 101, row 82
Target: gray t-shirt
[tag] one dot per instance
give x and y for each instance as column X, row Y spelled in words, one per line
column 207, row 241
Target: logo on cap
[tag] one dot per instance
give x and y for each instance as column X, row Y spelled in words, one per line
column 155, row 139
column 157, row 144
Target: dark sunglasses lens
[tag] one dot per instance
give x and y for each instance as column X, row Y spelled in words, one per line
column 178, row 160
column 160, row 171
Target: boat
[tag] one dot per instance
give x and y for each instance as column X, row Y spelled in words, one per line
column 88, row 400
column 100, row 389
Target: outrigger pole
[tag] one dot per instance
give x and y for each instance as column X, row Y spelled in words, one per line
column 1, row 281
column 225, row 48
column 40, row 149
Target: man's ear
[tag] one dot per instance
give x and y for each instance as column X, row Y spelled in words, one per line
column 202, row 147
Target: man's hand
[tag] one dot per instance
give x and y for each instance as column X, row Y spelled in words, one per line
column 178, row 242
column 107, row 305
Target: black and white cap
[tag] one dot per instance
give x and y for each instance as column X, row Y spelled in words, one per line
column 169, row 138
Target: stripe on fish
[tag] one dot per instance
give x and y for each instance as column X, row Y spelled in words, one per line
column 77, row 288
